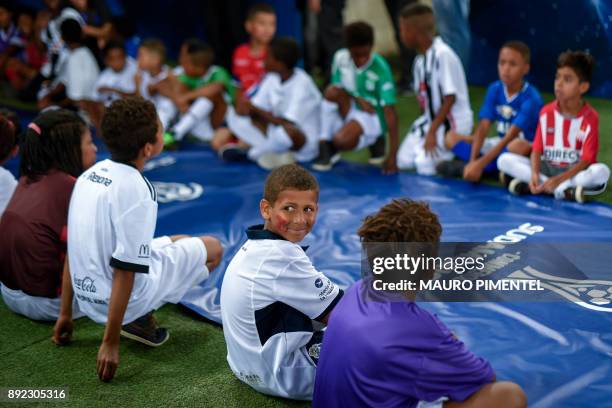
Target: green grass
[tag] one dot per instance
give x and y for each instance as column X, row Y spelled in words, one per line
column 189, row 370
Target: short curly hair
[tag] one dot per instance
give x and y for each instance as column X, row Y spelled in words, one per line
column 358, row 34
column 402, row 220
column 289, row 177
column 128, row 125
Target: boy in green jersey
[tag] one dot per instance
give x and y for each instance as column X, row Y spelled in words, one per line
column 359, row 104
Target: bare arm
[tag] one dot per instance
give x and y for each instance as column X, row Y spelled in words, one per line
column 108, row 354
column 479, row 137
column 430, row 139
column 390, row 164
column 207, row 91
column 62, row 332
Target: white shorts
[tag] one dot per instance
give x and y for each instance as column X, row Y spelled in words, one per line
column 276, row 139
column 369, row 123
column 35, row 307
column 175, row 267
column 412, row 154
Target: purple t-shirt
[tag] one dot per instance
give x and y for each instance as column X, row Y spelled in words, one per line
column 392, row 354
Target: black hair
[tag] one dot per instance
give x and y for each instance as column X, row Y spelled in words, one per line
column 286, row 50
column 8, row 138
column 519, row 47
column 200, row 53
column 124, row 26
column 112, row 45
column 52, row 141
column 358, row 34
column 127, row 126
column 260, row 8
column 580, row 62
column 71, row 31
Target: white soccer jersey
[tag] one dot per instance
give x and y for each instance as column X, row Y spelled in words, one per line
column 79, row 73
column 439, row 73
column 148, row 79
column 269, row 297
column 122, row 81
column 111, row 221
column 297, row 100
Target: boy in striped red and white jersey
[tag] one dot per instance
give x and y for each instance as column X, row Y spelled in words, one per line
column 564, row 155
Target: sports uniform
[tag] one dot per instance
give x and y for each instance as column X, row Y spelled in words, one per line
column 269, row 297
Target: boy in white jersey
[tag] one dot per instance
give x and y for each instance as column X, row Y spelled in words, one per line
column 271, row 292
column 280, row 123
column 151, row 71
column 564, row 155
column 359, row 104
column 118, row 272
column 115, row 82
column 441, row 90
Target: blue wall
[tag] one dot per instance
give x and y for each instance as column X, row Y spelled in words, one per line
column 549, row 27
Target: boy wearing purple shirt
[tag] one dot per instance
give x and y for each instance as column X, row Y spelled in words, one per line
column 381, row 352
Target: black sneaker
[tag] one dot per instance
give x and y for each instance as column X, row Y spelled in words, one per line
column 504, row 179
column 575, row 194
column 328, row 156
column 377, row 151
column 231, row 152
column 451, row 168
column 146, row 331
column 518, row 187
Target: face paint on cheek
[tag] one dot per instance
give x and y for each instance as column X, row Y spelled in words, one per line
column 280, row 222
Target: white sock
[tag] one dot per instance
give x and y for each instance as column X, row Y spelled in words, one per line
column 329, row 115
column 197, row 112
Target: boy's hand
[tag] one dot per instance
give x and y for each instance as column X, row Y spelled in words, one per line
column 534, row 184
column 430, row 144
column 108, row 361
column 62, row 332
column 473, row 171
column 364, row 105
column 389, row 165
column 550, row 185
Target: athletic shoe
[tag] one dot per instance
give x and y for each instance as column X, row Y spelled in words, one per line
column 231, row 152
column 169, row 142
column 518, row 187
column 377, row 152
column 504, row 179
column 575, row 194
column 271, row 161
column 146, row 331
column 328, row 156
column 451, row 168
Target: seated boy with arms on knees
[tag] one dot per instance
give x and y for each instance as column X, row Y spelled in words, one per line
column 280, row 123
column 441, row 91
column 564, row 155
column 359, row 105
column 201, row 94
column 248, row 61
column 118, row 272
column 382, row 349
column 271, row 292
column 151, row 71
column 115, row 82
column 510, row 101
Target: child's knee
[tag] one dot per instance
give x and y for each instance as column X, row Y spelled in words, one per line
column 601, row 172
column 520, row 146
column 504, row 162
column 214, row 251
column 509, row 395
column 332, row 93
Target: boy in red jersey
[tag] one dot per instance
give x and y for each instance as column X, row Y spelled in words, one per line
column 564, row 155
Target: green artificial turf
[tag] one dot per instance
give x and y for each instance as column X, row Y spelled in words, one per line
column 189, row 370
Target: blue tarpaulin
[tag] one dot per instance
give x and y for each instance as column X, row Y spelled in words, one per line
column 560, row 353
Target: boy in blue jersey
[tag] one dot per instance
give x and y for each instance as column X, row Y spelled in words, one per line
column 510, row 101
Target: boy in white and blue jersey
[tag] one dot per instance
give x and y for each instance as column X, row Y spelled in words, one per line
column 271, row 292
column 510, row 101
column 116, row 270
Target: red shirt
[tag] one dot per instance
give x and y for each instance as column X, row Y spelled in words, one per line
column 564, row 141
column 33, row 235
column 247, row 68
